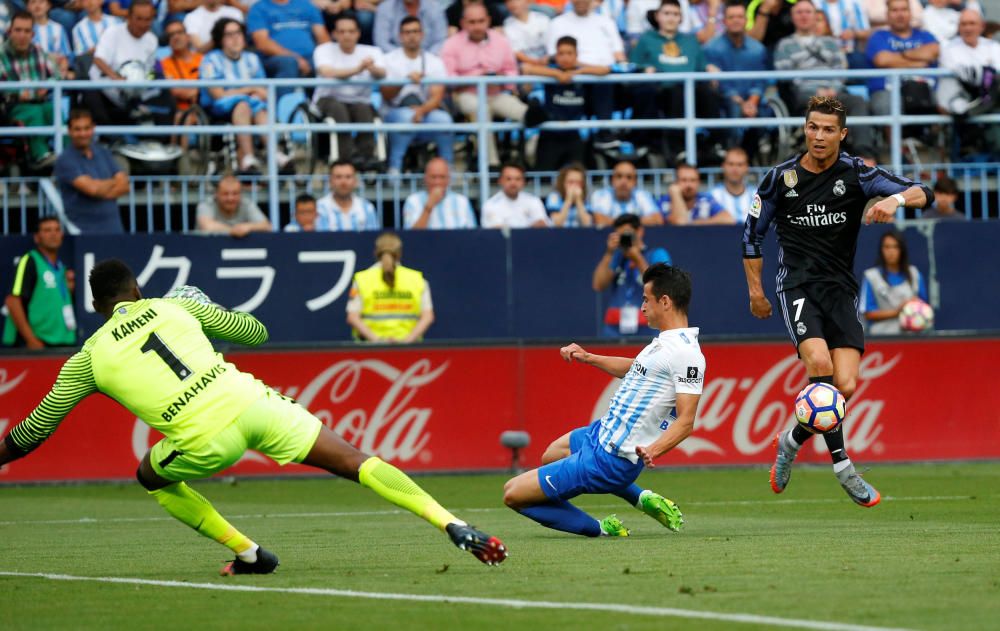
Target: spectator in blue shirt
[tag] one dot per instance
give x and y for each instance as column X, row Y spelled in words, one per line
column 901, row 46
column 619, row 274
column 390, row 14
column 685, row 205
column 285, row 33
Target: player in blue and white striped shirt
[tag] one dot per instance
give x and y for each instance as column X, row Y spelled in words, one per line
column 50, row 36
column 359, row 215
column 88, row 30
column 652, row 411
column 437, row 208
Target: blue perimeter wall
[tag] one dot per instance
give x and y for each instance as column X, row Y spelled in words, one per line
column 534, row 284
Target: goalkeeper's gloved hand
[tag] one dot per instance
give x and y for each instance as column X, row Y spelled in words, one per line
column 190, row 292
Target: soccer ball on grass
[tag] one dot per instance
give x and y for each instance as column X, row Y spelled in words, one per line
column 820, row 408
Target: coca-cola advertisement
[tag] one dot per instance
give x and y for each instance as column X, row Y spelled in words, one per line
column 436, row 409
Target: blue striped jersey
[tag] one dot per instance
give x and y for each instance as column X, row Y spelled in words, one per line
column 454, row 211
column 360, row 217
column 216, row 65
column 645, row 403
column 87, row 32
column 554, row 203
column 735, row 205
column 52, row 38
column 641, row 203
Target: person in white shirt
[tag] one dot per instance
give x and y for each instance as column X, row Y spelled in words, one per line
column 418, row 101
column 348, row 102
column 342, row 209
column 199, row 22
column 512, row 207
column 525, row 30
column 732, row 192
column 437, row 208
column 941, row 17
column 623, row 198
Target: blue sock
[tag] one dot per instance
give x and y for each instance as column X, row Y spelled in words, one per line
column 561, row 515
column 630, row 494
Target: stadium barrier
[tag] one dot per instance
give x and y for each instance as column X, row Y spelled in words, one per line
column 443, row 409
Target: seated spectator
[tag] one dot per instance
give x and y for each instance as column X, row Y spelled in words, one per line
column 87, row 31
column 705, row 19
column 40, row 304
column 685, row 205
column 285, row 33
column 766, row 22
column 416, row 102
column 564, row 101
column 567, row 204
column 66, row 12
column 619, row 273
column 22, row 60
column 735, row 50
column 389, row 303
column 243, row 105
column 183, row 63
column 598, row 44
column 512, row 207
column 849, row 24
column 161, row 10
column 623, row 198
column 941, row 18
column 945, row 206
column 525, row 29
column 342, row 209
column 732, row 193
column 878, row 13
column 902, row 46
column 453, row 14
column 437, row 207
column 349, row 103
column 806, row 51
column 614, row 10
column 890, row 284
column 390, row 14
column 90, row 181
column 199, row 22
column 231, row 213
column 477, row 51
column 306, row 218
column 666, row 50
column 50, row 36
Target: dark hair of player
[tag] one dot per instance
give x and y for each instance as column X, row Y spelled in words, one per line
column 110, row 279
column 904, row 256
column 669, row 281
column 828, row 105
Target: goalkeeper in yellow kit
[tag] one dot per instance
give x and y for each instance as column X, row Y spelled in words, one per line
column 153, row 356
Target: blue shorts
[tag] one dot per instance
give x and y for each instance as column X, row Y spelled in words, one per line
column 588, row 468
column 223, row 108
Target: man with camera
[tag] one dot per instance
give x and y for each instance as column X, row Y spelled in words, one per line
column 620, row 273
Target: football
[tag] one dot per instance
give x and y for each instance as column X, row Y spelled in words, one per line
column 916, row 315
column 820, row 408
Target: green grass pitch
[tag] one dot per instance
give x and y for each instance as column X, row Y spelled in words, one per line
column 928, row 557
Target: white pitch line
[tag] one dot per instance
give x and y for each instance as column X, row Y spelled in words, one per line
column 123, row 520
column 744, row 618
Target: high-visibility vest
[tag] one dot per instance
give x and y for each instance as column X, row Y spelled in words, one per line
column 390, row 312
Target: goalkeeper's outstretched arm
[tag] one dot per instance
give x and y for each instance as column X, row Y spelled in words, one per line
column 222, row 324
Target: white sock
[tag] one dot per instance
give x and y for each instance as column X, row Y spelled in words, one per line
column 639, row 503
column 603, row 534
column 840, row 466
column 249, row 555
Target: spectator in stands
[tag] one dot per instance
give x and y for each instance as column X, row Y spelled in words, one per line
column 598, row 44
column 637, row 22
column 342, row 209
column 89, row 180
column 849, row 24
column 22, row 60
column 389, row 303
column 285, row 33
column 624, row 198
column 619, row 272
column 665, row 50
column 183, row 63
column 50, row 35
column 945, row 206
column 454, row 12
column 806, row 51
column 239, row 105
column 732, row 193
column 941, row 18
column 767, row 21
column 306, row 218
column 567, row 204
column 890, row 284
column 390, row 14
column 685, row 205
column 349, row 103
column 511, row 207
column 229, row 212
column 87, row 31
column 437, row 207
column 416, row 102
column 40, row 303
column 199, row 22
column 734, row 50
column 902, row 46
column 706, row 18
column 878, row 13
column 525, row 29
column 477, row 51
column 564, row 101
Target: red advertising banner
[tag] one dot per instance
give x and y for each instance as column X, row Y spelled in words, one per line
column 444, row 408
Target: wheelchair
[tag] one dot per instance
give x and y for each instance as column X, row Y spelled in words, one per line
column 313, row 150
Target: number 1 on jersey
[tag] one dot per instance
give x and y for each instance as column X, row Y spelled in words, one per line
column 155, row 344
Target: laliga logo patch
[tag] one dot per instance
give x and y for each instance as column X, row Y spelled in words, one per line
column 838, row 188
column 800, row 328
column 755, row 206
column 790, row 177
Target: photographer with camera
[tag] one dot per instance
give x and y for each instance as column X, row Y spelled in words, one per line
column 619, row 273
